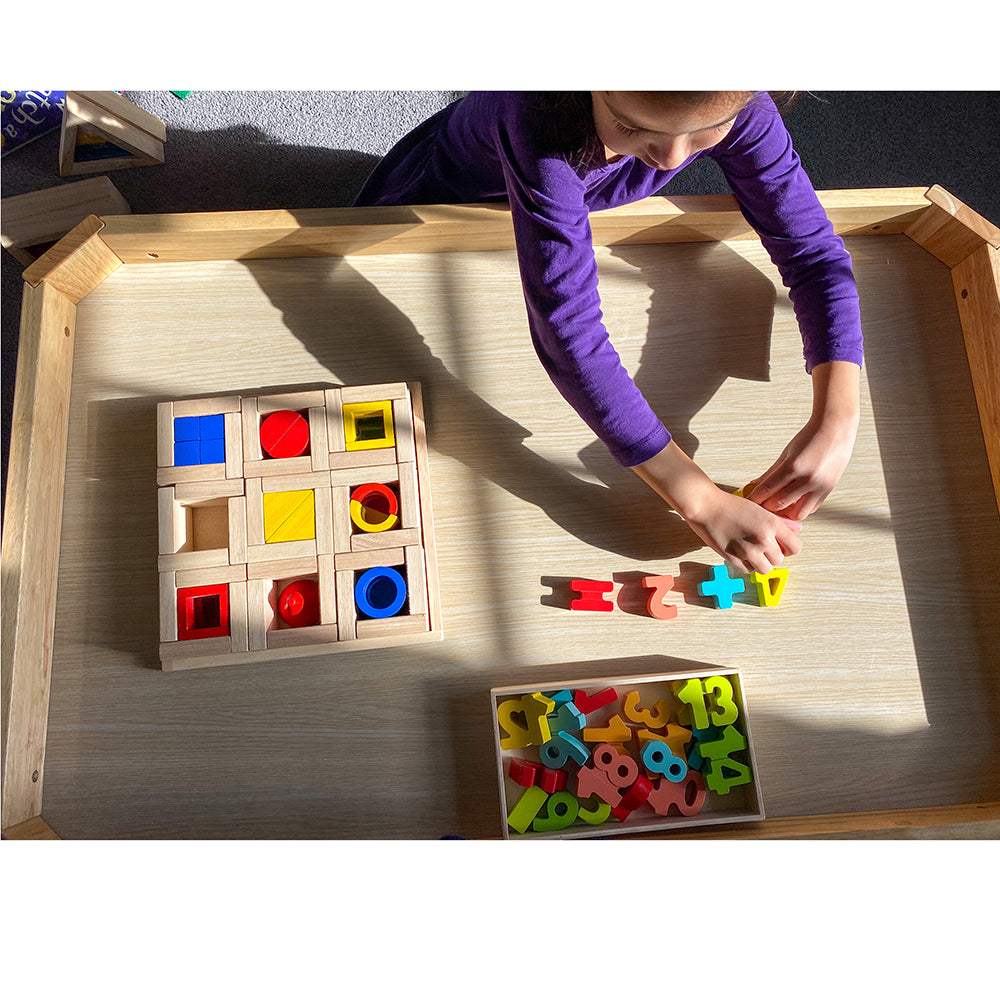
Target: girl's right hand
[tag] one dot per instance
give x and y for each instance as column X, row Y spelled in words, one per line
column 748, row 537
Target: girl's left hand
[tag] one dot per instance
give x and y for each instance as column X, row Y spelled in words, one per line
column 807, row 470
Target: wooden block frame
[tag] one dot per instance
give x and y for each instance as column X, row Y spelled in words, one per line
column 213, row 529
column 968, row 244
column 741, row 804
column 41, row 218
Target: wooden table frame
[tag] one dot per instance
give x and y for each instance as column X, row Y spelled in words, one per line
column 968, row 244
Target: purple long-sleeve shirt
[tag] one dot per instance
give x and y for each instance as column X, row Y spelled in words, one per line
column 499, row 145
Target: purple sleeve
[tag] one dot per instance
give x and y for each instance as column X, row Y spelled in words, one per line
column 559, row 276
column 778, row 200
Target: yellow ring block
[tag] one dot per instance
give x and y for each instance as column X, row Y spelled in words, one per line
column 289, row 516
column 358, row 517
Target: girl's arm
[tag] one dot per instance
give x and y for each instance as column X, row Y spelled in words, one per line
column 814, row 460
column 745, row 534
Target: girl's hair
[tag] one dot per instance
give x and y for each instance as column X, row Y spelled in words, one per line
column 571, row 117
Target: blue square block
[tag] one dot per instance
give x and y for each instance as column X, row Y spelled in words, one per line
column 187, row 453
column 187, row 428
column 213, row 427
column 213, row 451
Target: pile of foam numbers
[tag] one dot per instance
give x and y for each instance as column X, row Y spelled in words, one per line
column 639, row 760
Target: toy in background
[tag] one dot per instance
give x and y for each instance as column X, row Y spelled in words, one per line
column 101, row 131
column 293, row 524
column 26, row 115
column 664, row 752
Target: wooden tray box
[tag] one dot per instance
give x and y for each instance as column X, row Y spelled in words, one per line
column 99, row 348
column 740, row 804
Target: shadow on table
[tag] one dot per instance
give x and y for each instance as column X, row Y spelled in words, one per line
column 361, row 337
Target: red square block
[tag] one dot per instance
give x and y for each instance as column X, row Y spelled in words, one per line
column 203, row 612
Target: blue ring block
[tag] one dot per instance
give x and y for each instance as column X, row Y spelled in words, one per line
column 370, row 587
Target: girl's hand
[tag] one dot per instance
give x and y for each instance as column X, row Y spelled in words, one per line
column 743, row 533
column 808, row 469
column 750, row 538
column 814, row 460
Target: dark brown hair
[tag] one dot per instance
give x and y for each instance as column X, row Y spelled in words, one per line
column 570, row 115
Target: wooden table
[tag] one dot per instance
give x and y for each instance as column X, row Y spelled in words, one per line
column 873, row 687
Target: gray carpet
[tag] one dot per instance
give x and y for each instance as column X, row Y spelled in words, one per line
column 230, row 150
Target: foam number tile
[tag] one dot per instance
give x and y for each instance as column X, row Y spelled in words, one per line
column 721, row 772
column 686, row 797
column 655, row 718
column 527, row 808
column 692, row 693
column 770, row 586
column 533, row 730
column 566, row 718
column 658, row 758
column 610, row 772
column 723, row 710
column 594, row 814
column 616, row 731
column 593, row 781
column 620, row 768
column 656, row 604
column 561, row 810
column 561, row 748
column 588, row 703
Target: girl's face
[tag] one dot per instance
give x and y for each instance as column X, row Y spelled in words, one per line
column 661, row 130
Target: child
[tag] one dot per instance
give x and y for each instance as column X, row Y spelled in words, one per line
column 557, row 157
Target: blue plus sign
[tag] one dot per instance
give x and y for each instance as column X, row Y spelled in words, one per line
column 722, row 587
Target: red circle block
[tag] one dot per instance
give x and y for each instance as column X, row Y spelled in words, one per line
column 284, row 434
column 298, row 604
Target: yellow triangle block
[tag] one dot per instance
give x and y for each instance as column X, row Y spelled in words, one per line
column 770, row 586
column 289, row 516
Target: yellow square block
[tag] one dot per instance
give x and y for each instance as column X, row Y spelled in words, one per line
column 368, row 425
column 289, row 516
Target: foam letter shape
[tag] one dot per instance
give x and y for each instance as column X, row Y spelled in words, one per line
column 561, row 811
column 591, row 598
column 654, row 718
column 770, row 586
column 528, row 805
column 656, row 605
column 686, row 797
column 596, row 815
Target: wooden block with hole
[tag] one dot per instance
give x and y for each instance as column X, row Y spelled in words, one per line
column 256, row 493
column 103, row 131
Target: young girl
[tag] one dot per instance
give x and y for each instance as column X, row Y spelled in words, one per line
column 557, row 157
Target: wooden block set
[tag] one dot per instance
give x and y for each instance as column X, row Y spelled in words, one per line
column 620, row 755
column 293, row 524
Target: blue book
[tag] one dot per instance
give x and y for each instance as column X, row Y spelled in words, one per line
column 27, row 114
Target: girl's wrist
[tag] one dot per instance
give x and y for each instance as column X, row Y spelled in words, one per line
column 678, row 479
